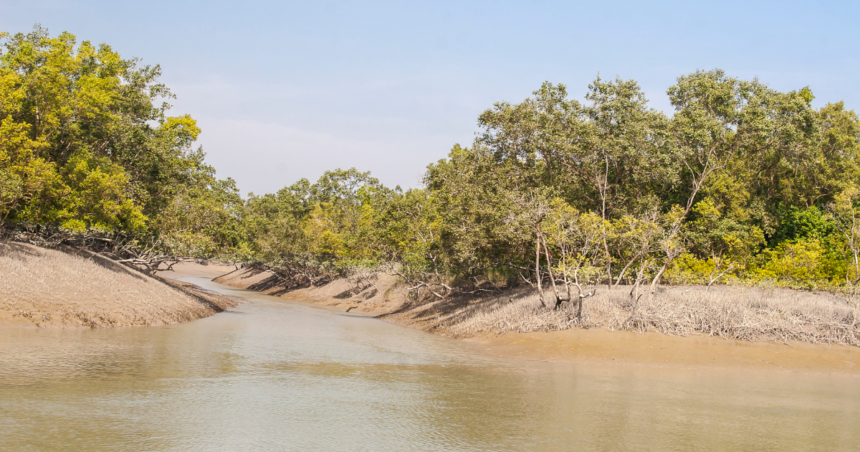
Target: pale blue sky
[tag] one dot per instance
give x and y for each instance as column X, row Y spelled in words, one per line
column 287, row 90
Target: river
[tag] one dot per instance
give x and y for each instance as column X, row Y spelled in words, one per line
column 279, row 375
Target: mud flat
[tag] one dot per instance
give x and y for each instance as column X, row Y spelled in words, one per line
column 49, row 288
column 654, row 349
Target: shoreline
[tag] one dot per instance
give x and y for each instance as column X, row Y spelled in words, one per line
column 49, row 288
column 581, row 345
column 654, row 349
column 385, row 301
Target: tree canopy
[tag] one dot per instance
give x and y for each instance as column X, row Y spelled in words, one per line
column 86, row 142
column 740, row 182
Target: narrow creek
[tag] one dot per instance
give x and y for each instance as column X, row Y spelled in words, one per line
column 280, row 375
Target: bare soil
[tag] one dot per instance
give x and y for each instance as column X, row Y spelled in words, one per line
column 49, row 288
column 602, row 346
column 377, row 297
column 727, row 312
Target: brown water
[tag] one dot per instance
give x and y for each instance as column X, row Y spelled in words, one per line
column 275, row 375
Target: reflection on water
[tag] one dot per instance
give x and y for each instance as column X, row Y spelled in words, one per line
column 272, row 375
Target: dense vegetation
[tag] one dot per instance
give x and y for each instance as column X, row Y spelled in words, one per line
column 86, row 144
column 741, row 183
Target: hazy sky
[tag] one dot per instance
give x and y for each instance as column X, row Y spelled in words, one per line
column 286, row 90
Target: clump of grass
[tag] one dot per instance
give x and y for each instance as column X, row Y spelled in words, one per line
column 52, row 288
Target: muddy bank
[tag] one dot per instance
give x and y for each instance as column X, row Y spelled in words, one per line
column 380, row 296
column 49, row 288
column 729, row 312
column 201, row 269
column 654, row 349
column 513, row 323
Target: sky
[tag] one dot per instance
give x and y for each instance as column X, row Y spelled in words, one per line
column 287, row 90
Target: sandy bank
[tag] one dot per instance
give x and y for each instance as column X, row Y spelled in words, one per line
column 655, row 349
column 513, row 325
column 49, row 288
column 378, row 297
column 208, row 270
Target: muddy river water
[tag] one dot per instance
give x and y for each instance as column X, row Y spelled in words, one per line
column 278, row 375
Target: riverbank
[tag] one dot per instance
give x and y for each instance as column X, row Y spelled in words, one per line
column 49, row 288
column 653, row 349
column 378, row 297
column 277, row 372
column 790, row 328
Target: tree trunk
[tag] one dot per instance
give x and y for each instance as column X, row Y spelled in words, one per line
column 676, row 228
column 537, row 270
column 656, row 279
column 551, row 276
column 603, row 195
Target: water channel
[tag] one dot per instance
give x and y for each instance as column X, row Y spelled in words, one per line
column 280, row 375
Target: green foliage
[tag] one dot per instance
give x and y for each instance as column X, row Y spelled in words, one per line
column 85, row 144
column 93, row 195
column 741, row 183
column 200, row 221
column 733, row 187
column 799, row 223
column 797, row 262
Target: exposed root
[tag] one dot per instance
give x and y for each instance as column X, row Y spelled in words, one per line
column 742, row 313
